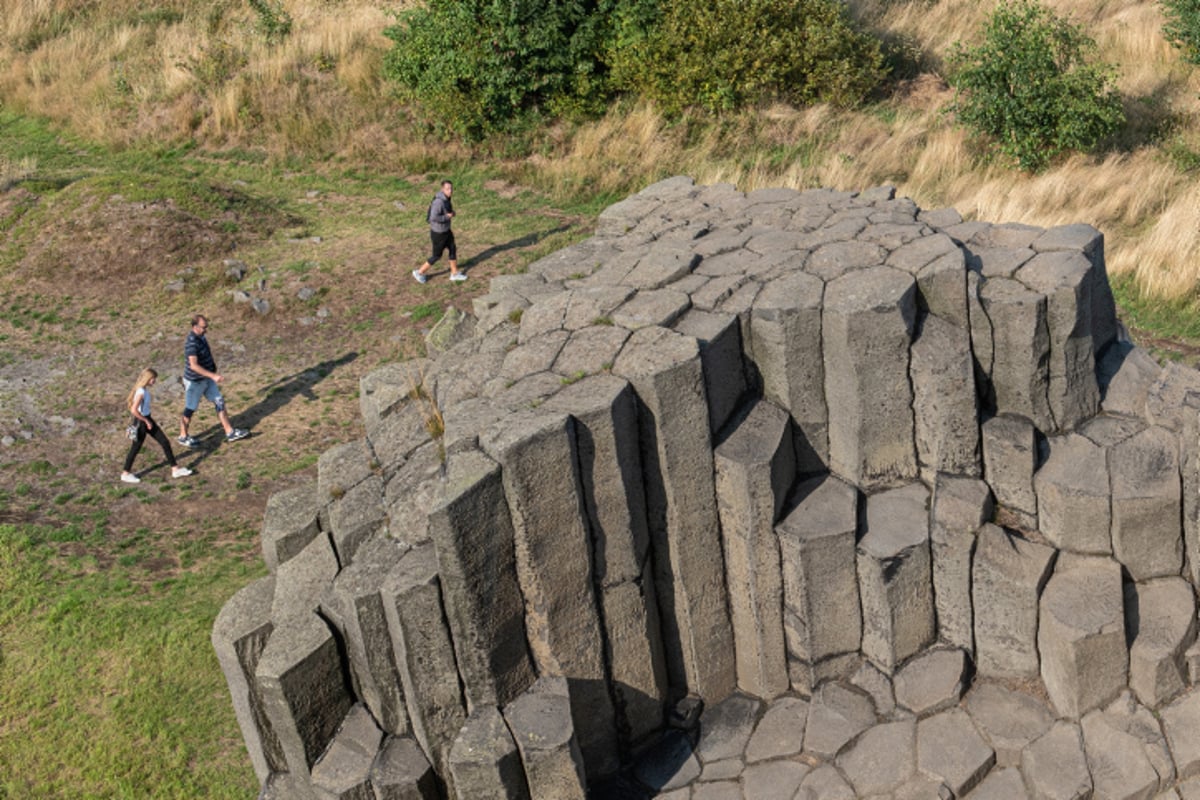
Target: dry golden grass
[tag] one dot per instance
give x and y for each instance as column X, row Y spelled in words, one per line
column 320, row 92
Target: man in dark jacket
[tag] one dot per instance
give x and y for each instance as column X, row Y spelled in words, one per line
column 441, row 211
column 201, row 380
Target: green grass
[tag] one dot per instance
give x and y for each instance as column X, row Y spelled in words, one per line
column 109, row 687
column 1177, row 320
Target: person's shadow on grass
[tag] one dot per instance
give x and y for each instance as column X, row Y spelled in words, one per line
column 528, row 240
column 278, row 394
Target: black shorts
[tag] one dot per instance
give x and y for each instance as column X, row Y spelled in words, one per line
column 441, row 242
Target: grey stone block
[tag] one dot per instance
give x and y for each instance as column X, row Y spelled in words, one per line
column 536, row 451
column 780, row 732
column 1147, row 533
column 755, row 467
column 424, row 652
column 826, row 783
column 836, row 715
column 869, row 679
column 412, row 492
column 1008, row 719
column 773, row 780
column 944, row 405
column 1020, row 350
column 239, row 635
column 303, row 579
column 388, row 388
column 484, row 761
column 1001, row 784
column 670, row 764
column 866, row 331
column 1066, row 279
column 931, row 681
column 785, row 344
column 304, row 688
column 725, row 728
column 1081, row 636
column 1009, row 461
column 535, row 354
column 1181, row 725
column 665, row 370
column 1160, row 618
column 1055, row 765
column 1166, row 401
column 882, row 759
column 290, row 522
column 958, row 507
column 1118, row 764
column 817, row 541
column 592, row 305
column 590, row 351
column 401, row 772
column 399, row 435
column 357, row 517
column 894, row 576
column 720, row 340
column 1008, row 576
column 655, row 308
column 1126, row 374
column 950, row 749
column 1074, row 498
column 358, row 612
column 540, row 722
column 344, row 770
column 472, row 531
column 341, row 468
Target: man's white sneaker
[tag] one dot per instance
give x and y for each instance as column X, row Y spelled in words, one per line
column 129, row 477
column 419, row 277
column 180, row 472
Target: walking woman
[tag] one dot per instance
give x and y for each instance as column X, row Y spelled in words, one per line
column 139, row 405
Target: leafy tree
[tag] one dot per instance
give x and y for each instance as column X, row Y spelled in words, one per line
column 1182, row 28
column 1029, row 87
column 479, row 66
column 725, row 54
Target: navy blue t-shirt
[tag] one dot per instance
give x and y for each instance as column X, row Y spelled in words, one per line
column 196, row 345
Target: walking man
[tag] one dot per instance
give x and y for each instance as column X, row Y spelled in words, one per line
column 441, row 238
column 201, row 379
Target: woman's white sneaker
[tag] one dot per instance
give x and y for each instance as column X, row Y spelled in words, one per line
column 129, row 477
column 180, row 472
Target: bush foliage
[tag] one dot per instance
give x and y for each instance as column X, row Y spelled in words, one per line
column 727, row 54
column 1182, row 27
column 481, row 66
column 1029, row 88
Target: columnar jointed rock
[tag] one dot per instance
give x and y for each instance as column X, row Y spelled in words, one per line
column 1009, row 574
column 866, row 332
column 1081, row 636
column 664, row 368
column 536, row 452
column 894, row 576
column 822, row 615
column 736, row 438
column 755, row 467
column 473, row 535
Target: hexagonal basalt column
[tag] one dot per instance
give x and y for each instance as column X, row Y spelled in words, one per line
column 867, row 330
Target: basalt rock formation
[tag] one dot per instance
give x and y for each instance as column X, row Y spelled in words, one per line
column 888, row 494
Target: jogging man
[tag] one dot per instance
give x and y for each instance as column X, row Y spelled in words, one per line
column 441, row 238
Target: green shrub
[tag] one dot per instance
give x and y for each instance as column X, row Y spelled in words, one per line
column 1029, row 88
column 478, row 66
column 728, row 54
column 1182, row 27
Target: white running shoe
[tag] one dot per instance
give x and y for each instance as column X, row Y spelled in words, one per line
column 419, row 277
column 458, row 276
column 180, row 472
column 129, row 477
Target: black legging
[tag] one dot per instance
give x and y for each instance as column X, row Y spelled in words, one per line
column 159, row 437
